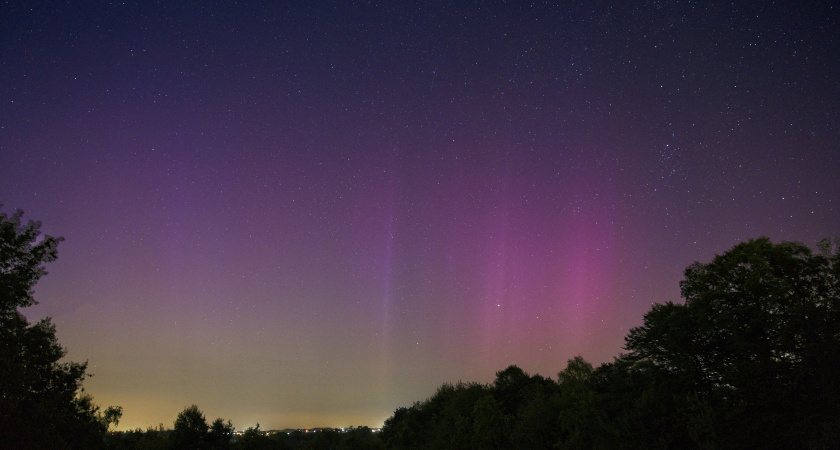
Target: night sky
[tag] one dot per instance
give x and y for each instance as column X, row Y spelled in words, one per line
column 309, row 214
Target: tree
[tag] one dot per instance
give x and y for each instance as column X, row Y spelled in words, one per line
column 509, row 386
column 255, row 439
column 405, row 429
column 190, row 431
column 751, row 359
column 758, row 339
column 362, row 438
column 490, row 426
column 41, row 401
column 220, row 434
column 578, row 415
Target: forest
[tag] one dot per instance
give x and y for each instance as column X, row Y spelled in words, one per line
column 749, row 359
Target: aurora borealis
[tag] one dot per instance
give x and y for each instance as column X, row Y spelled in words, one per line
column 310, row 215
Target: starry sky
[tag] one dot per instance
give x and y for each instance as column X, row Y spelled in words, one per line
column 311, row 213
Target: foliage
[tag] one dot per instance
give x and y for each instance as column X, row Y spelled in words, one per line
column 750, row 360
column 153, row 438
column 758, row 339
column 192, row 432
column 253, row 438
column 516, row 411
column 191, row 429
column 220, row 434
column 42, row 404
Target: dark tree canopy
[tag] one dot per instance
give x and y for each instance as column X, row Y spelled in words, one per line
column 751, row 359
column 758, row 336
column 23, row 253
column 192, row 432
column 220, row 434
column 190, row 429
column 41, row 399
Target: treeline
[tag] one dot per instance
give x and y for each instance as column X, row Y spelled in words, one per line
column 42, row 402
column 191, row 431
column 750, row 360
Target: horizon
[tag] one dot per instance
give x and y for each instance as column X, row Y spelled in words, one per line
column 311, row 215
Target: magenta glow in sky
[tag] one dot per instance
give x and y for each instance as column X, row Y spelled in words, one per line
column 311, row 215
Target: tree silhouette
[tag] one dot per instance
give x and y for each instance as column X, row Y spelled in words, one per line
column 190, row 431
column 750, row 360
column 490, row 426
column 758, row 338
column 40, row 401
column 220, row 434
